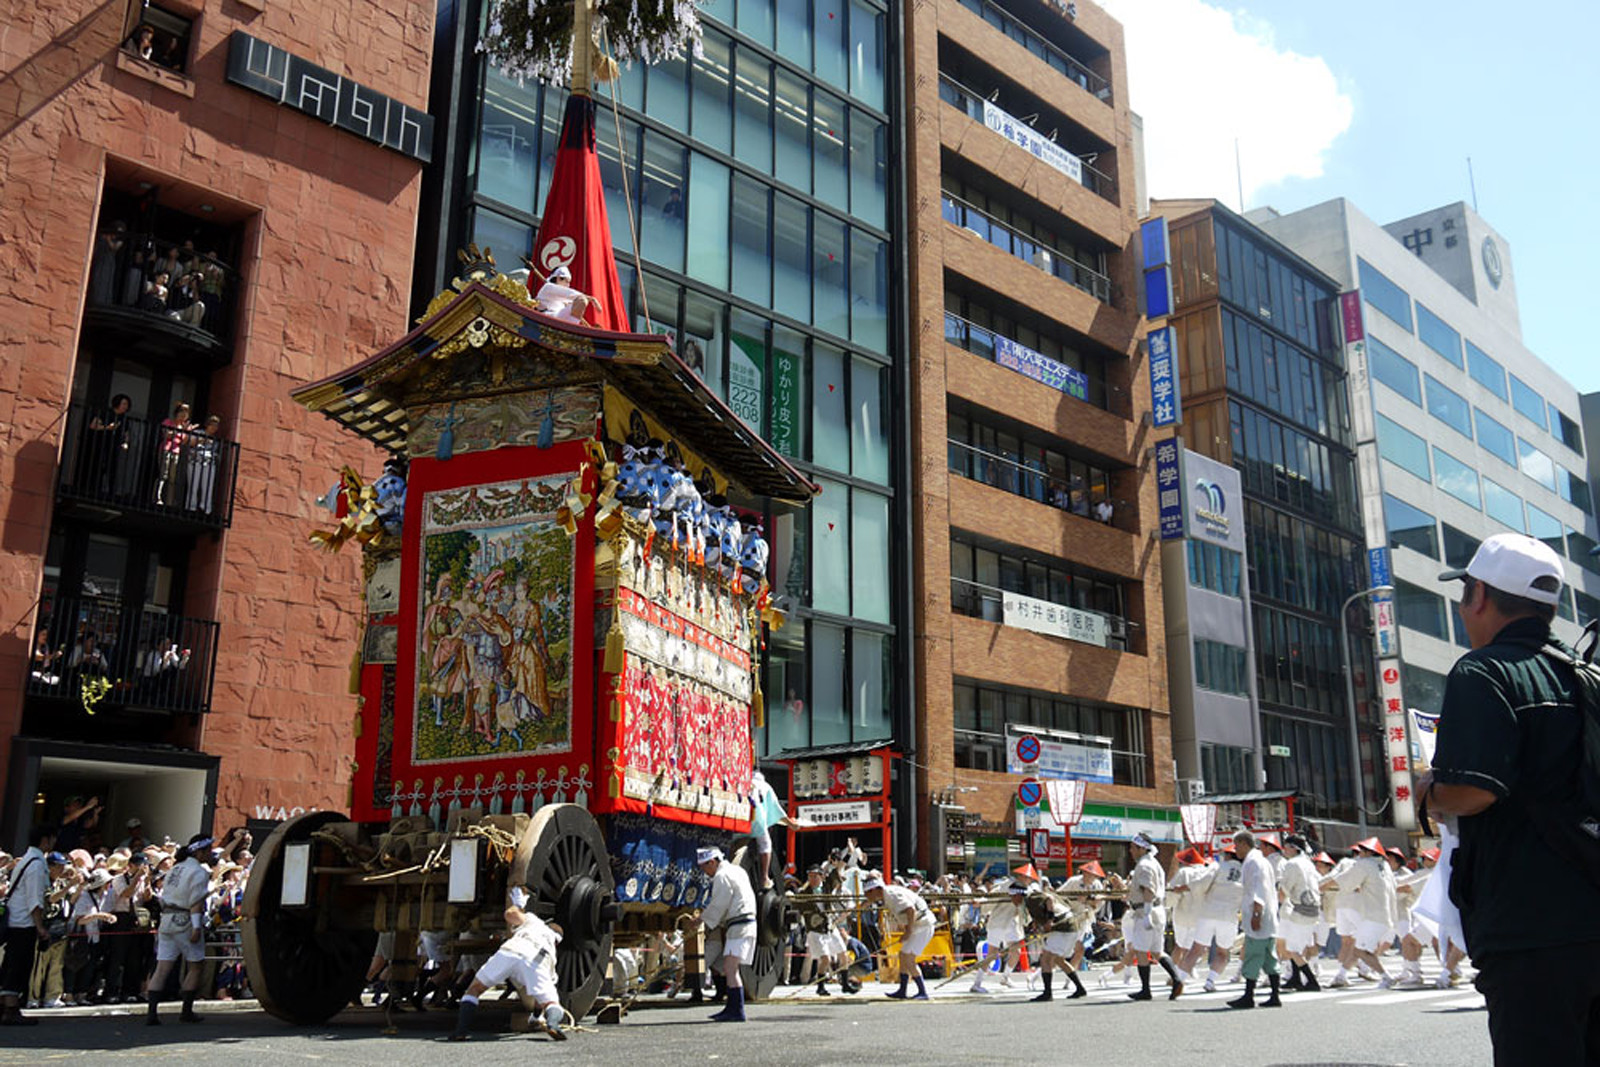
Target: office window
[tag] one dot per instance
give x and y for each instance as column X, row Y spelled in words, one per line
column 872, row 669
column 508, row 142
column 868, row 168
column 1485, row 371
column 791, row 260
column 866, row 54
column 493, row 230
column 662, row 180
column 1503, row 505
column 1394, row 370
column 869, row 420
column 1458, row 547
column 830, row 164
column 1410, row 527
column 1385, row 295
column 710, row 78
column 752, row 240
column 1424, row 689
column 1547, row 528
column 869, row 555
column 830, row 426
column 794, row 33
column 1528, row 402
column 1417, row 609
column 1438, row 335
column 1535, row 464
column 1569, row 432
column 1449, row 407
column 1403, row 448
column 752, row 108
column 1580, row 549
column 792, row 117
column 1495, row 438
column 830, row 290
column 830, row 716
column 831, row 548
column 1588, row 608
column 828, row 30
column 1214, row 567
column 1574, row 490
column 1456, row 478
column 1221, row 668
column 869, row 291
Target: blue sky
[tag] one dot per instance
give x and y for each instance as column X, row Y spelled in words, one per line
column 1382, row 103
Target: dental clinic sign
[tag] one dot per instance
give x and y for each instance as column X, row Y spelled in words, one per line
column 1053, row 620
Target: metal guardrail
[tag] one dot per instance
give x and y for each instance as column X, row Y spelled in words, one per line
column 971, row 102
column 142, row 658
column 1020, row 479
column 979, row 600
column 980, row 341
column 1046, row 50
column 161, row 279
column 1028, row 249
column 134, row 464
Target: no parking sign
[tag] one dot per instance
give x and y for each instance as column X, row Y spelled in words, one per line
column 1028, row 749
column 1030, row 791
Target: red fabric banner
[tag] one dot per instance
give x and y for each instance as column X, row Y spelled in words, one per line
column 574, row 232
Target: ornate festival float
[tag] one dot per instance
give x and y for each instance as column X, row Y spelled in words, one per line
column 565, row 599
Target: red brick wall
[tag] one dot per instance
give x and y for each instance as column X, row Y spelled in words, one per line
column 330, row 221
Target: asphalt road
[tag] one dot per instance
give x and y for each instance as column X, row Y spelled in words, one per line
column 1362, row 1025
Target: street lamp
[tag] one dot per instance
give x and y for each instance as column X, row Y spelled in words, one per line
column 1350, row 695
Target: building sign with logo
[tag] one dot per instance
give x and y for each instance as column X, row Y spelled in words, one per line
column 1035, row 143
column 1169, row 489
column 1053, row 620
column 1213, row 501
column 1085, row 759
column 1396, row 746
column 1041, row 368
column 1166, row 400
column 848, row 813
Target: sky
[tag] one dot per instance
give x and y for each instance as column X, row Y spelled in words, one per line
column 1382, row 102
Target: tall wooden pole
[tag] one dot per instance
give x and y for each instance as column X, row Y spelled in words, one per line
column 582, row 45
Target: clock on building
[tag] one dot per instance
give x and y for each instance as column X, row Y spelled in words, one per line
column 1491, row 261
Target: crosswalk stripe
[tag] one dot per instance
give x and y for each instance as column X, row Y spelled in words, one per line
column 1403, row 995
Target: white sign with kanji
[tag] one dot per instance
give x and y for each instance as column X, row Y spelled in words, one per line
column 1396, row 747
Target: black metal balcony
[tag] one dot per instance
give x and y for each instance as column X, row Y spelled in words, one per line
column 159, row 300
column 123, row 465
column 101, row 654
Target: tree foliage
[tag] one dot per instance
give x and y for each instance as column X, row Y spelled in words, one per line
column 533, row 38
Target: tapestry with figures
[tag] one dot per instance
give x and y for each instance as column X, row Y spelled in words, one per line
column 495, row 623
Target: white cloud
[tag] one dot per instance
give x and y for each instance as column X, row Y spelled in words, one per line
column 1201, row 77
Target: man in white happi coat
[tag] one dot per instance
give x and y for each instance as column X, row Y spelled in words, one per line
column 1003, row 934
column 1219, row 912
column 180, row 934
column 1186, row 889
column 730, row 921
column 558, row 299
column 1299, row 913
column 1259, row 910
column 527, row 961
column 1147, row 891
column 909, row 914
column 1369, row 885
column 1408, row 886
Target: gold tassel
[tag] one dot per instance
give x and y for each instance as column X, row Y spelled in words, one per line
column 758, row 703
column 614, row 643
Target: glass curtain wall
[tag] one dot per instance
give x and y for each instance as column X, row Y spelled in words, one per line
column 754, row 181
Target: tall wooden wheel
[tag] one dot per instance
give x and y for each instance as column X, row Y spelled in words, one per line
column 304, row 966
column 762, row 974
column 562, row 861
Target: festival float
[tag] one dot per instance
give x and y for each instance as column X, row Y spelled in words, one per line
column 565, row 599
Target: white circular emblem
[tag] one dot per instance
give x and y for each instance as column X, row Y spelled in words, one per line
column 1491, row 262
column 557, row 252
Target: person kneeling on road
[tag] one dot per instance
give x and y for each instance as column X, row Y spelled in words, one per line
column 527, row 960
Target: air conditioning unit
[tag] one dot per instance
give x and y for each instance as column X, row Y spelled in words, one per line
column 1191, row 790
column 1044, row 261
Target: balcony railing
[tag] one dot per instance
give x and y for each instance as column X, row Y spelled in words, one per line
column 142, row 658
column 972, row 102
column 144, row 466
column 1025, row 248
column 980, row 601
column 178, row 292
column 982, row 341
column 1030, row 480
column 1044, row 49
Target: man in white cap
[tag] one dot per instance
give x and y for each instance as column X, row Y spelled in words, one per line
column 911, row 916
column 730, row 921
column 526, row 960
column 1510, row 768
column 1259, row 903
column 1299, row 912
column 558, row 299
column 1147, row 890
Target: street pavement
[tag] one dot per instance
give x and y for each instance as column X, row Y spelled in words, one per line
column 1357, row 1026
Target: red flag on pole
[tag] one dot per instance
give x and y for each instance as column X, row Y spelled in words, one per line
column 575, row 232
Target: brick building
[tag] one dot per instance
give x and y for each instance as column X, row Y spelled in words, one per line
column 173, row 645
column 1039, row 594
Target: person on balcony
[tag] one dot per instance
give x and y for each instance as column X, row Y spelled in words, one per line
column 204, row 451
column 87, row 655
column 184, row 303
column 175, row 433
column 154, row 296
column 106, row 442
column 213, row 276
column 44, row 660
column 103, row 266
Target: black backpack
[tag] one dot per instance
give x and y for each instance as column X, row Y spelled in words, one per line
column 1572, row 827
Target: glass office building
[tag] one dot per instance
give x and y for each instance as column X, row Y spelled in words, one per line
column 752, row 215
column 1473, row 433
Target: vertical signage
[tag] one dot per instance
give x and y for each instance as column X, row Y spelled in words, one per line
column 785, row 403
column 1396, row 748
column 1166, row 401
column 1157, row 262
column 1169, row 489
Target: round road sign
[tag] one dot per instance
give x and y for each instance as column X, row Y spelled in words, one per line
column 1028, row 749
column 1030, row 792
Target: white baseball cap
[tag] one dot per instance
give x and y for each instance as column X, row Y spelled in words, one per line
column 1516, row 564
column 872, row 882
column 706, row 855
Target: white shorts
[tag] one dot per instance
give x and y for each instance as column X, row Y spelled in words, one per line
column 432, row 948
column 179, row 947
column 1183, row 936
column 1346, row 921
column 742, row 947
column 1321, row 931
column 1060, row 943
column 1151, row 936
column 824, row 945
column 1402, row 926
column 1297, row 936
column 537, row 980
column 916, row 939
column 385, row 945
column 1223, row 931
column 1004, row 936
column 764, row 843
column 1370, row 935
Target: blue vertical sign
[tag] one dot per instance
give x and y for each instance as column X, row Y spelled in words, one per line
column 1378, row 567
column 1157, row 264
column 1166, row 400
column 1169, row 489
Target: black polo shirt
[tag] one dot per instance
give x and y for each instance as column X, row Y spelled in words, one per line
column 1510, row 725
